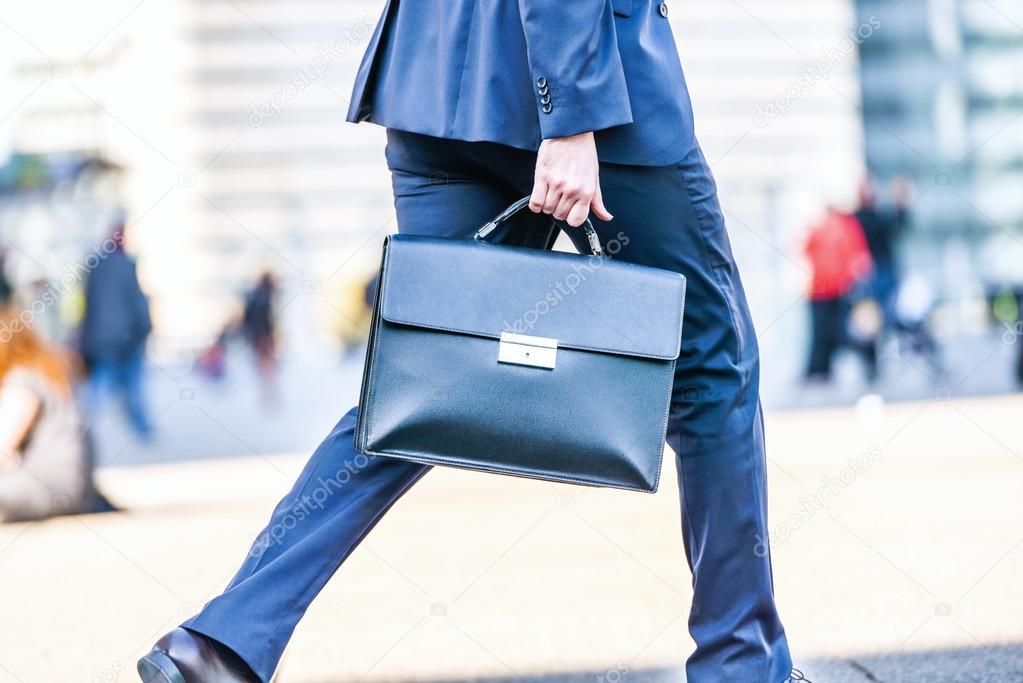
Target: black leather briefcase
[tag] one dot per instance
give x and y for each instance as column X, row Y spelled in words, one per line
column 521, row 361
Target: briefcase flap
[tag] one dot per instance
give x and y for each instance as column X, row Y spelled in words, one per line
column 482, row 289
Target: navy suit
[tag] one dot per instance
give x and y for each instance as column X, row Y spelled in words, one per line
column 447, row 182
column 518, row 71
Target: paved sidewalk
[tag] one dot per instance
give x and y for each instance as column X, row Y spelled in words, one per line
column 898, row 556
column 969, row 665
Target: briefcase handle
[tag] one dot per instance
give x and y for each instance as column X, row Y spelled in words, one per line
column 591, row 233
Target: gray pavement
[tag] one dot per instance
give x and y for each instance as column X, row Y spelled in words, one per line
column 997, row 664
column 903, row 569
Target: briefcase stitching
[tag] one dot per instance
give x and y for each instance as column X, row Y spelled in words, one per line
column 664, row 426
column 576, row 347
column 523, row 472
column 364, row 422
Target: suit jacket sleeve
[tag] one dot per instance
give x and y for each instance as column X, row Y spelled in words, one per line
column 578, row 79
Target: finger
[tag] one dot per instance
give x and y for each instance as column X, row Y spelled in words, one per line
column 536, row 199
column 578, row 215
column 551, row 201
column 564, row 206
column 599, row 210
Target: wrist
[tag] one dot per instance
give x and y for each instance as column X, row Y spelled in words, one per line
column 578, row 137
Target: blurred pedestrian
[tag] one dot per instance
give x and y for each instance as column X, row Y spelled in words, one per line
column 839, row 260
column 115, row 327
column 882, row 228
column 6, row 288
column 259, row 330
column 1019, row 363
column 1018, row 339
column 45, row 459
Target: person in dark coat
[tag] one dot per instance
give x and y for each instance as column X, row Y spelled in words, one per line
column 1019, row 339
column 115, row 328
column 882, row 228
column 258, row 328
column 6, row 288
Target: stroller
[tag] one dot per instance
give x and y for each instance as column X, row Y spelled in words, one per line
column 914, row 305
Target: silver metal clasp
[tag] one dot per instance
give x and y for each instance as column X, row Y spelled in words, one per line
column 485, row 230
column 522, row 349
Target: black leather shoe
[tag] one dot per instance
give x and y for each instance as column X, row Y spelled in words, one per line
column 185, row 657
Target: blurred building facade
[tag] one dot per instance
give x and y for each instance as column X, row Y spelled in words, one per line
column 943, row 103
column 776, row 97
column 228, row 120
column 281, row 181
column 90, row 86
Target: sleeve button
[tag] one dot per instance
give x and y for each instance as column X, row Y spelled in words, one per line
column 547, row 108
column 541, row 82
column 664, row 9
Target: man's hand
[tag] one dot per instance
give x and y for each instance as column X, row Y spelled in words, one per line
column 567, row 182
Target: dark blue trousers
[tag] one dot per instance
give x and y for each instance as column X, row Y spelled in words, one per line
column 672, row 220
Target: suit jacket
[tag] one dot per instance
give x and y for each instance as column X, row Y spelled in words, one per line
column 518, row 71
column 116, row 319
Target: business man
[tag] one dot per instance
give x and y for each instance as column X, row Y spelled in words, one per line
column 580, row 104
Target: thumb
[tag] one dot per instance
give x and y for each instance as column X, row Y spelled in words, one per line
column 597, row 205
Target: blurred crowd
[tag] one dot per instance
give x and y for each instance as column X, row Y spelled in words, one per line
column 45, row 444
column 56, row 377
column 53, row 386
column 860, row 297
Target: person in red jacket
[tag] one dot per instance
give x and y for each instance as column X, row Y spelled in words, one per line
column 839, row 260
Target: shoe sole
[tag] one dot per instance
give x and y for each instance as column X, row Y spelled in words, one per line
column 156, row 667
